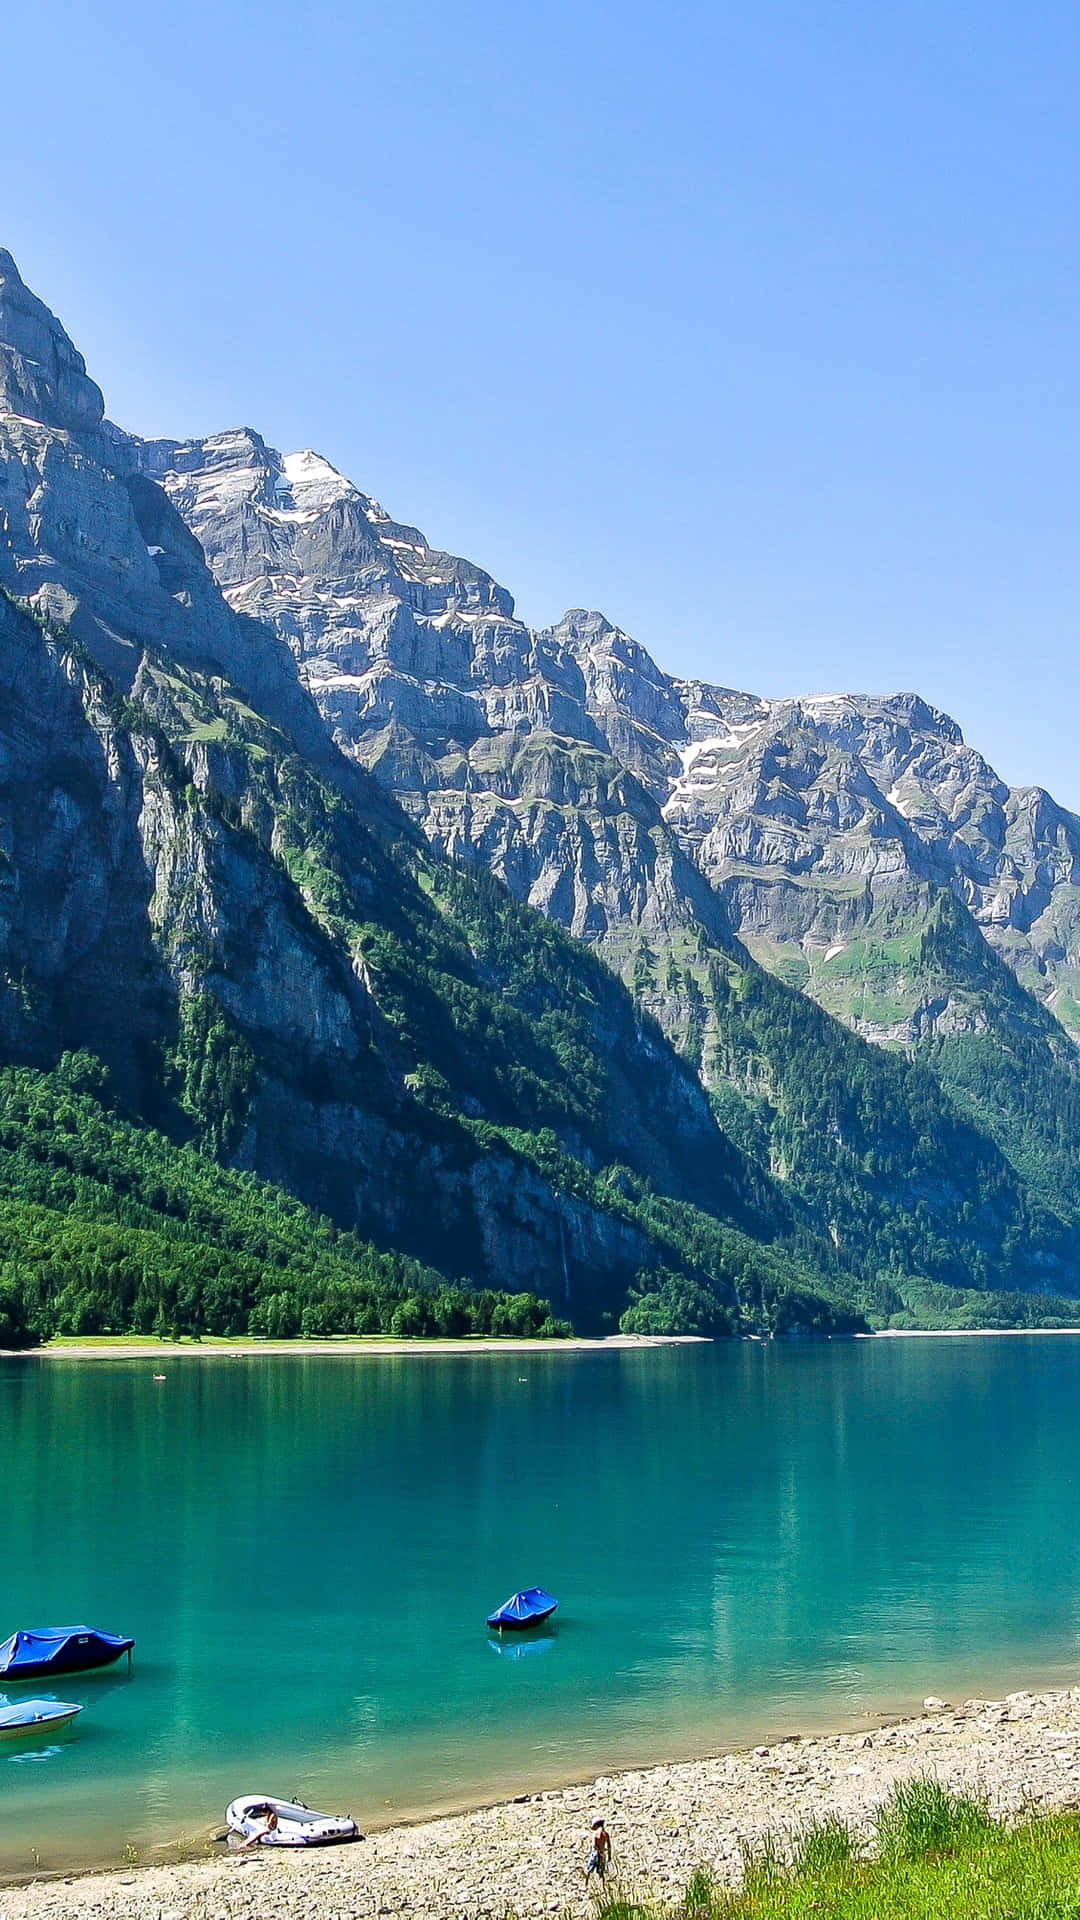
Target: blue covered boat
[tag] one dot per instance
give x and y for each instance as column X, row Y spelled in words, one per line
column 525, row 1609
column 36, row 1716
column 45, row 1651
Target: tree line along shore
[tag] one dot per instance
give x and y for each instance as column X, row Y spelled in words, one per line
column 108, row 1228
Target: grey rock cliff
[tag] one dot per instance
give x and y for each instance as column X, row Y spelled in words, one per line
column 169, row 800
column 248, row 714
column 42, row 375
column 815, row 822
column 853, row 844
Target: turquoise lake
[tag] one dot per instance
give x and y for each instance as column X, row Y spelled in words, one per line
column 746, row 1540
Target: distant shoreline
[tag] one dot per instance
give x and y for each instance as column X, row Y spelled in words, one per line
column 963, row 1333
column 131, row 1347
column 124, row 1346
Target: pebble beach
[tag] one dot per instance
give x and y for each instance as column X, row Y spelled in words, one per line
column 525, row 1857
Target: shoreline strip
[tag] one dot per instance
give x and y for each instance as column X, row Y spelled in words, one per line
column 525, row 1855
column 125, row 1348
column 345, row 1348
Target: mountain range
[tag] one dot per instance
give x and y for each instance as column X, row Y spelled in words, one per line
column 501, row 948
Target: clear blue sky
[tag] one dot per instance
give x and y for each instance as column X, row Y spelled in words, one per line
column 754, row 326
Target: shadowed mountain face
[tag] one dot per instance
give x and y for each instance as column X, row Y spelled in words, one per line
column 265, row 759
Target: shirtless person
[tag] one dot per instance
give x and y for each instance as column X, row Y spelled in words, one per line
column 269, row 1818
column 600, row 1858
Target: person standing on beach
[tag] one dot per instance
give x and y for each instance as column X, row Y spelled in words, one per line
column 600, row 1857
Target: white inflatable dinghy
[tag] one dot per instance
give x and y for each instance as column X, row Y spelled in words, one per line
column 284, row 1823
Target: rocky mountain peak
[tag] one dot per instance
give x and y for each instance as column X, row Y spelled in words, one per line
column 42, row 374
column 590, row 635
column 299, row 515
column 238, row 467
column 612, row 795
column 237, row 447
column 856, row 718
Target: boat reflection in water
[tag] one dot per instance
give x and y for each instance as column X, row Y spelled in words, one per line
column 20, row 1756
column 518, row 1647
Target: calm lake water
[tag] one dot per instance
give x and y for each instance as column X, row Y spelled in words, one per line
column 746, row 1540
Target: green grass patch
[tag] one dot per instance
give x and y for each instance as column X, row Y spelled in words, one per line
column 1067, row 1009
column 922, row 1817
column 936, row 1856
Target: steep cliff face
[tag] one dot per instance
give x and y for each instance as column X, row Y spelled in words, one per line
column 818, row 823
column 866, row 855
column 179, row 834
column 169, row 851
column 43, row 376
column 214, row 779
column 817, row 819
column 854, row 845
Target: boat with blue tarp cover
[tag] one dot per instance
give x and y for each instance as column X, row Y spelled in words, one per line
column 41, row 1652
column 525, row 1609
column 36, row 1716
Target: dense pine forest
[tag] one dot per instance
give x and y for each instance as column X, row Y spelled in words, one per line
column 106, row 1227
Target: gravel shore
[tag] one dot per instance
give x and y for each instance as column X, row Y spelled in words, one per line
column 345, row 1347
column 525, row 1857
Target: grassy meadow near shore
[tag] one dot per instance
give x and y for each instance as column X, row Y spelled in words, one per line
column 938, row 1856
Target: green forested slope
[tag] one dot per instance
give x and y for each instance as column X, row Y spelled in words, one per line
column 110, row 1227
column 488, row 1057
column 1013, row 1071
column 853, row 1154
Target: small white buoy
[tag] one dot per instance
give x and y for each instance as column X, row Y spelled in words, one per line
column 159, row 1376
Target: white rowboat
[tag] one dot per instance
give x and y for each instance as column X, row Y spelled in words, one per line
column 35, row 1716
column 292, row 1825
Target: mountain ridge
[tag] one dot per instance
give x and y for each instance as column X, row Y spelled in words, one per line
column 685, row 738
column 856, row 845
column 288, row 768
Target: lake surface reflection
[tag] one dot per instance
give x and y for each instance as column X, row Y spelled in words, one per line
column 745, row 1540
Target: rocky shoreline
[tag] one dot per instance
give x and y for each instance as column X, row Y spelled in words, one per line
column 525, row 1857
